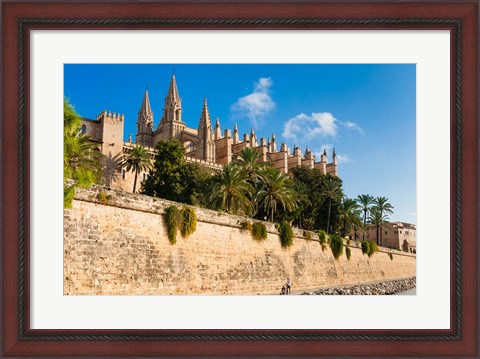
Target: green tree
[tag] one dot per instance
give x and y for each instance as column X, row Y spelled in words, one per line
column 332, row 191
column 231, row 191
column 137, row 160
column 381, row 205
column 250, row 160
column 375, row 217
column 365, row 201
column 81, row 157
column 349, row 215
column 276, row 190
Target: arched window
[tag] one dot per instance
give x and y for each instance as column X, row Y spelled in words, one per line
column 83, row 130
column 189, row 146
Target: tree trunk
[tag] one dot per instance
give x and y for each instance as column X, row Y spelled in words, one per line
column 328, row 218
column 364, row 222
column 135, row 180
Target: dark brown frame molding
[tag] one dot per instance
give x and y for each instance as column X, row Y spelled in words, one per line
column 461, row 18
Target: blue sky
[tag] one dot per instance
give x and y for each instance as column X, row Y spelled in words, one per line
column 365, row 112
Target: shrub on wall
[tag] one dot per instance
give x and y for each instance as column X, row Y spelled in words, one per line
column 171, row 220
column 68, row 194
column 348, row 252
column 188, row 223
column 102, row 197
column 322, row 237
column 365, row 247
column 308, row 235
column 246, row 225
column 391, row 256
column 336, row 244
column 286, row 233
column 373, row 248
column 259, row 231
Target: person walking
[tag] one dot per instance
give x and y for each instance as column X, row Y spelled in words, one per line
column 288, row 284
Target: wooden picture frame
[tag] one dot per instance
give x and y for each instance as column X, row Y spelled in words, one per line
column 460, row 18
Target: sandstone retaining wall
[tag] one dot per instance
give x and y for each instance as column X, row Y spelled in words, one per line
column 121, row 247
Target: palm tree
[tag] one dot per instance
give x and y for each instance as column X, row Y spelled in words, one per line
column 365, row 201
column 81, row 157
column 249, row 159
column 331, row 191
column 138, row 159
column 377, row 219
column 349, row 215
column 275, row 189
column 382, row 206
column 231, row 191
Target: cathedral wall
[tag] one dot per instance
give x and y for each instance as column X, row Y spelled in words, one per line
column 121, row 247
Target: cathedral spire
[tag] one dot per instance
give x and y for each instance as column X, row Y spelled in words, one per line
column 205, row 121
column 207, row 145
column 145, row 122
column 145, row 109
column 172, row 95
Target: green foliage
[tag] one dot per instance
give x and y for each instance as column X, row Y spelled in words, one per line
column 322, row 237
column 373, row 248
column 259, row 231
column 184, row 219
column 174, row 179
column 102, row 197
column 171, row 220
column 68, row 194
column 81, row 157
column 308, row 235
column 246, row 225
column 391, row 256
column 369, row 248
column 365, row 247
column 137, row 160
column 188, row 223
column 276, row 190
column 315, row 204
column 336, row 244
column 348, row 252
column 286, row 233
column 231, row 191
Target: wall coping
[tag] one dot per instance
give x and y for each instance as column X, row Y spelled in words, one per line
column 148, row 204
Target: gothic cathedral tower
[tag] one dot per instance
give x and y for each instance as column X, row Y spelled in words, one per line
column 145, row 123
column 206, row 146
column 171, row 124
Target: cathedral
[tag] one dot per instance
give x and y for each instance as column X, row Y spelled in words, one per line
column 205, row 145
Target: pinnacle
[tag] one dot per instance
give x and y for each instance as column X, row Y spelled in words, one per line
column 145, row 108
column 172, row 94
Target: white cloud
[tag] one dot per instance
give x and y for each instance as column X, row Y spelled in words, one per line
column 319, row 124
column 342, row 158
column 354, row 126
column 257, row 105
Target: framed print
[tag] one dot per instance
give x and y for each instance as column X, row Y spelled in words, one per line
column 424, row 54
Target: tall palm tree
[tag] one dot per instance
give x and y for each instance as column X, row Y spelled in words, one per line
column 331, row 191
column 375, row 217
column 365, row 201
column 385, row 208
column 250, row 160
column 138, row 159
column 349, row 215
column 231, row 191
column 275, row 190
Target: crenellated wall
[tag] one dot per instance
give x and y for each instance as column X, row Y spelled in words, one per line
column 122, row 248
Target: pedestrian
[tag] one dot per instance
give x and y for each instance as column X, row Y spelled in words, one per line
column 288, row 284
